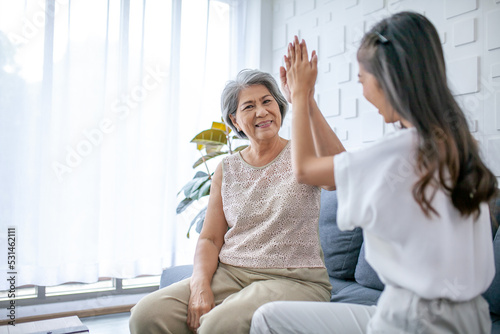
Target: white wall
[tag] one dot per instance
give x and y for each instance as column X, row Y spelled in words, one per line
column 470, row 33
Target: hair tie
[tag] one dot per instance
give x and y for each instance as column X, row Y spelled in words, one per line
column 381, row 38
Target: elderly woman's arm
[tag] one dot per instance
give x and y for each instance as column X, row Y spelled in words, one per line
column 207, row 254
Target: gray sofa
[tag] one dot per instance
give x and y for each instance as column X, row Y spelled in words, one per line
column 352, row 278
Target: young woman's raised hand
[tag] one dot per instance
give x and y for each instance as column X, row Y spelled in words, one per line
column 301, row 72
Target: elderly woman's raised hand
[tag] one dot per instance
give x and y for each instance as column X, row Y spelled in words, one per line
column 284, row 85
column 301, row 72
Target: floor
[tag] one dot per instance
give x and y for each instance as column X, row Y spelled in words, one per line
column 108, row 324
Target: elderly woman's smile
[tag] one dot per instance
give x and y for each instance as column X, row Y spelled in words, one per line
column 265, row 124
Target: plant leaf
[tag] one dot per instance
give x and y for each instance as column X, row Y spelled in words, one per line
column 204, row 189
column 187, row 188
column 198, row 220
column 201, row 220
column 240, row 148
column 207, row 157
column 213, row 148
column 183, row 205
column 210, row 137
column 221, row 126
column 199, row 174
column 196, row 187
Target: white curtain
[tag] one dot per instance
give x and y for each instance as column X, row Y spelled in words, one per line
column 98, row 102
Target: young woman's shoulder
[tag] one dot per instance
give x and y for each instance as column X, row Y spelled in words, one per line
column 396, row 143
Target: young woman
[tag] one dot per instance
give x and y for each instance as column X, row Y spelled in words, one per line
column 419, row 194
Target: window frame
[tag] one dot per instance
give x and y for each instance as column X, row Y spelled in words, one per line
column 41, row 297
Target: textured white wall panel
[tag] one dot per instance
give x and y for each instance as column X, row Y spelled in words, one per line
column 349, row 107
column 494, row 155
column 370, row 6
column 341, row 133
column 497, row 109
column 473, row 125
column 357, row 31
column 470, row 34
column 342, row 71
column 463, row 75
column 309, row 21
column 289, row 9
column 279, row 37
column 457, row 7
column 291, row 31
column 329, row 102
column 278, row 61
column 286, row 128
column 305, row 6
column 350, row 3
column 394, row 2
column 333, row 41
column 464, row 32
column 442, row 37
column 312, row 39
column 390, row 127
column 324, row 66
column 372, row 126
column 495, row 71
column 493, row 29
column 325, row 17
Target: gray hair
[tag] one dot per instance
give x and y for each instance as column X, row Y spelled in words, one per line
column 245, row 79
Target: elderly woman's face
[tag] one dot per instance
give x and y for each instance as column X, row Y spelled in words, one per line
column 258, row 114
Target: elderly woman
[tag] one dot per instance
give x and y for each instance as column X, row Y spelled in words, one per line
column 259, row 242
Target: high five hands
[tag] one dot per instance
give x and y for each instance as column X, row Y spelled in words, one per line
column 300, row 75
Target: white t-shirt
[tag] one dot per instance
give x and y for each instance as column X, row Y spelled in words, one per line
column 443, row 257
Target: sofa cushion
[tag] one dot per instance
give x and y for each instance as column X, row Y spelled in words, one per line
column 344, row 291
column 175, row 274
column 495, row 324
column 365, row 275
column 492, row 295
column 341, row 248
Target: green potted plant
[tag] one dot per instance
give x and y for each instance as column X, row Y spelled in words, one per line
column 211, row 143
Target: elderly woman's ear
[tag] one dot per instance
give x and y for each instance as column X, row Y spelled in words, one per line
column 233, row 119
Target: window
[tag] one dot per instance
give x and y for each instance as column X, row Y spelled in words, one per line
column 100, row 102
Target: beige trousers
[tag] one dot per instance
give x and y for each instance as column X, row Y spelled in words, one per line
column 238, row 293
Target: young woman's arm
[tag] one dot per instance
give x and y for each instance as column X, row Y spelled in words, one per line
column 326, row 142
column 206, row 256
column 301, row 77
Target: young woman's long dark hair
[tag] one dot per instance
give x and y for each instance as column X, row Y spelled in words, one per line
column 404, row 54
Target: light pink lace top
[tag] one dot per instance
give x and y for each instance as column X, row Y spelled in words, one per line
column 273, row 219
